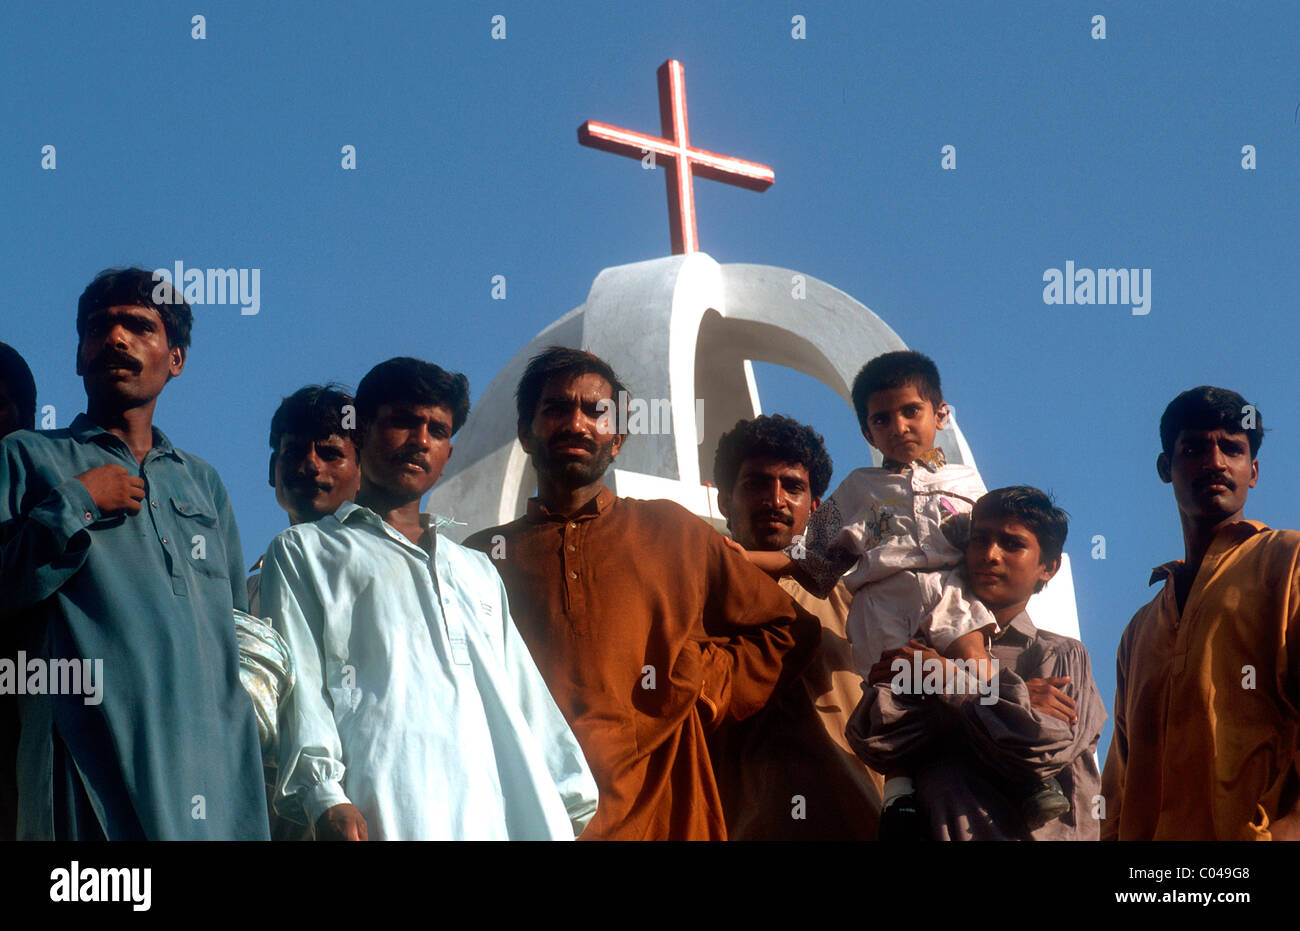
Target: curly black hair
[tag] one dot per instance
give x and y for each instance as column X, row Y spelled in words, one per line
column 772, row 437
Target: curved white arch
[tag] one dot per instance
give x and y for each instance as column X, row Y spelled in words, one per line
column 679, row 329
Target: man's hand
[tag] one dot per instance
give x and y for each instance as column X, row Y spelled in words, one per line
column 1047, row 697
column 773, row 562
column 113, row 488
column 884, row 667
column 733, row 545
column 342, row 822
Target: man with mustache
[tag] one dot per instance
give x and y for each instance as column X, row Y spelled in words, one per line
column 409, row 665
column 771, row 473
column 314, row 468
column 1206, row 743
column 314, row 461
column 649, row 630
column 120, row 552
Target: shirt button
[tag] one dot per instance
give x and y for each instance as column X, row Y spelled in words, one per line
column 573, row 525
column 164, row 539
column 87, row 516
column 572, row 547
column 154, row 503
column 573, row 575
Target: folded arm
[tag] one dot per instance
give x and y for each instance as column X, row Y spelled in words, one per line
column 44, row 542
column 758, row 638
column 1022, row 730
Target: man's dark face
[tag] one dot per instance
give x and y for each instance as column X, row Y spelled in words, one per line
column 1211, row 471
column 10, row 419
column 567, row 439
column 124, row 359
column 770, row 503
column 313, row 477
column 405, row 448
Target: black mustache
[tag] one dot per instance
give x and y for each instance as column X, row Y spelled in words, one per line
column 573, row 440
column 777, row 515
column 110, row 358
column 1215, row 480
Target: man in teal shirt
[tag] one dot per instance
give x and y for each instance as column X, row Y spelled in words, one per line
column 121, row 566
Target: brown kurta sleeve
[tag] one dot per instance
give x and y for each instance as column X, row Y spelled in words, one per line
column 1112, row 776
column 758, row 637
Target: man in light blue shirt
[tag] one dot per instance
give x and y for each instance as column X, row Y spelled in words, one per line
column 121, row 563
column 409, row 665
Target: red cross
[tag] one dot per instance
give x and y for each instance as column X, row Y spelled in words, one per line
column 675, row 146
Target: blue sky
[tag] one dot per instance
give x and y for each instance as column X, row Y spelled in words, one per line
column 1122, row 152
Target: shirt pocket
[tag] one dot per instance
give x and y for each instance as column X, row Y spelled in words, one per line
column 198, row 538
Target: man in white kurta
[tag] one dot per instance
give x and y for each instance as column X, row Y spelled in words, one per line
column 416, row 700
column 418, row 713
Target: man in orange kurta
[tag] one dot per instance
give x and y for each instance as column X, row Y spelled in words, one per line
column 648, row 629
column 1207, row 699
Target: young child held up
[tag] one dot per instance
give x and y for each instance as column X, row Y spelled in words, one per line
column 899, row 532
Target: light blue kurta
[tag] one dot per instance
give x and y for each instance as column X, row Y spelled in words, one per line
column 416, row 699
column 170, row 751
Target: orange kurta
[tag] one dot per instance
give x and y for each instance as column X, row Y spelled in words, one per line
column 649, row 632
column 1207, row 705
column 788, row 773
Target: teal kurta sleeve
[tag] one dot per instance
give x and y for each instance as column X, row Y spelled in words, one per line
column 43, row 545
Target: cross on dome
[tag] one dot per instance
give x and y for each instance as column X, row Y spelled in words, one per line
column 686, row 161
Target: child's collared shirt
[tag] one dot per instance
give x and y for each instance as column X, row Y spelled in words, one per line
column 880, row 523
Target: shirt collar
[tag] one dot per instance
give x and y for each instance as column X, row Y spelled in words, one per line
column 1020, row 626
column 1237, row 531
column 932, row 460
column 351, row 512
column 538, row 512
column 85, row 430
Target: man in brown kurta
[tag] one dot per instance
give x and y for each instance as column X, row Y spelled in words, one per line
column 788, row 773
column 648, row 630
column 1206, row 744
